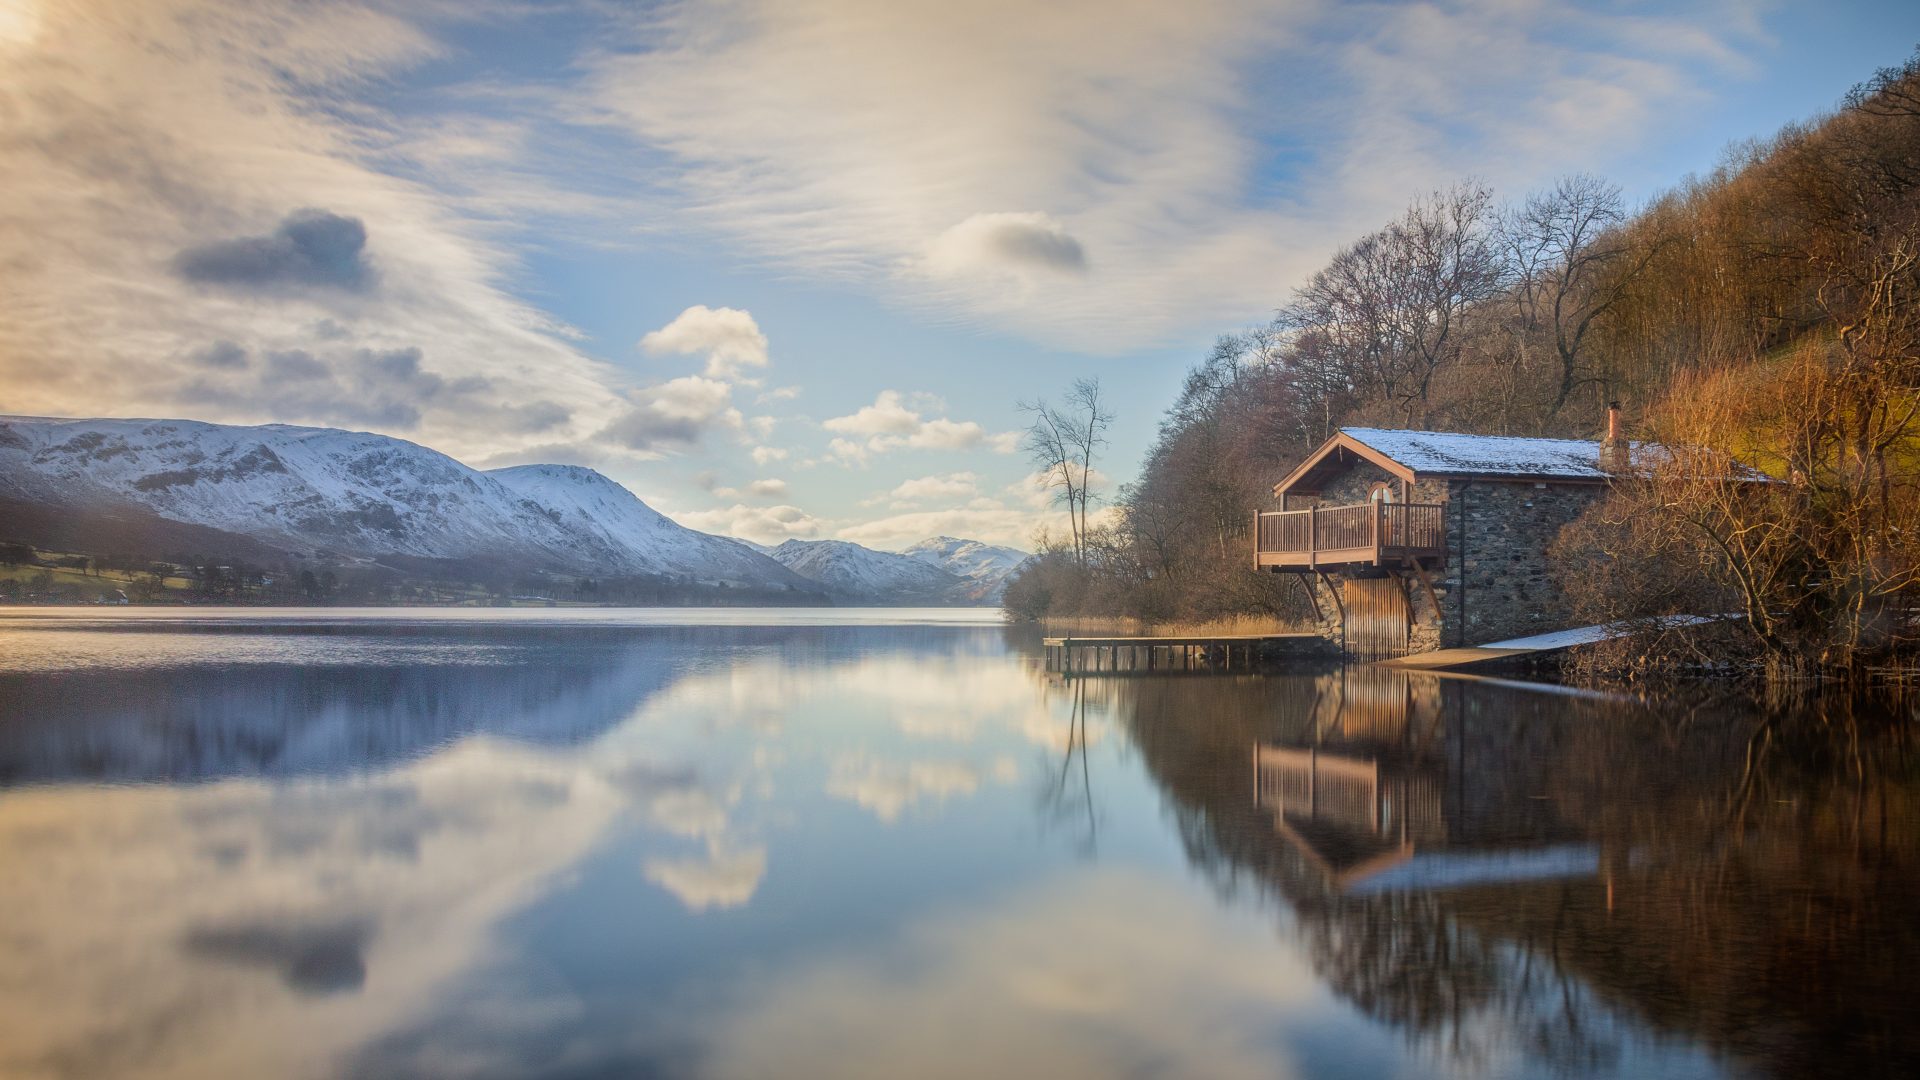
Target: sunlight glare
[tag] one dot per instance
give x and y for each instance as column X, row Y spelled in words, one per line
column 20, row 22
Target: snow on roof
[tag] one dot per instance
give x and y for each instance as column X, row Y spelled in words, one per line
column 1453, row 454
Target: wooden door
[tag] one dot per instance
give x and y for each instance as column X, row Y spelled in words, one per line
column 1377, row 617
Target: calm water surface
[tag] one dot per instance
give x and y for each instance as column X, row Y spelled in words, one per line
column 886, row 844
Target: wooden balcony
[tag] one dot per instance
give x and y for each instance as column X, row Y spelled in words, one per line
column 1368, row 534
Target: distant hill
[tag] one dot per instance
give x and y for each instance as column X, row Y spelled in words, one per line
column 327, row 494
column 984, row 567
column 281, row 495
column 855, row 574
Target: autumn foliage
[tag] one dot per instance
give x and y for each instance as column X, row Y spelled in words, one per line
column 1762, row 323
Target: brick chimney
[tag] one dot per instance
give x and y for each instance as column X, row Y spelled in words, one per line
column 1616, row 453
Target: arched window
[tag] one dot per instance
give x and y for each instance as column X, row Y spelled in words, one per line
column 1381, row 492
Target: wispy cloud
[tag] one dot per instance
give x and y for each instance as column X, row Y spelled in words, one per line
column 223, row 208
column 1112, row 173
column 207, row 168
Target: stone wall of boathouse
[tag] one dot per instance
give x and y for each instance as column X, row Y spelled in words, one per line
column 1495, row 583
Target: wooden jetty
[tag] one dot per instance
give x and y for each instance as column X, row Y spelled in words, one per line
column 1169, row 655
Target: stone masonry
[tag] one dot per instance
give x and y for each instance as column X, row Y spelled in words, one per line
column 1494, row 583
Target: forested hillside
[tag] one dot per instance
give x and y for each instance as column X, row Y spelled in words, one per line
column 1765, row 313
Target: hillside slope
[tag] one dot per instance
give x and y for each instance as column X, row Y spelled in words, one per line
column 322, row 492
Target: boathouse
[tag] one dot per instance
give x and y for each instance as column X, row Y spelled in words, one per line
column 1410, row 541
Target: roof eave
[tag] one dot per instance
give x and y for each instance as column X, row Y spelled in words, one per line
column 1340, row 441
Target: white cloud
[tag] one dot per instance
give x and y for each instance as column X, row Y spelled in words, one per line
column 691, row 398
column 674, row 415
column 891, row 424
column 848, row 452
column 761, row 524
column 991, row 524
column 957, row 485
column 1039, row 490
column 886, row 416
column 757, row 489
column 1139, row 169
column 688, row 810
column 774, row 489
column 728, row 337
column 889, row 788
column 1020, row 512
column 400, row 873
column 722, row 879
column 1019, row 243
column 1098, row 972
column 764, row 455
column 944, row 434
column 158, row 141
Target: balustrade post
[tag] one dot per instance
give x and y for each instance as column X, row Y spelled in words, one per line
column 1313, row 531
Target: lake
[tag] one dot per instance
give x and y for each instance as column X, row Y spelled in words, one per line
column 714, row 843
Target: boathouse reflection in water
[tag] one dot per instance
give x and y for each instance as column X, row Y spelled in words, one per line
column 359, row 846
column 1453, row 850
column 1364, row 804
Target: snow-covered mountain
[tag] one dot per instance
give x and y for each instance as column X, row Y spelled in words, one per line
column 586, row 503
column 326, row 491
column 984, row 567
column 859, row 574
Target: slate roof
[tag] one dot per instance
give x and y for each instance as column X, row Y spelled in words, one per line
column 1445, row 453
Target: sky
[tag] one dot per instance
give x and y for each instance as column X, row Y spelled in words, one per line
column 786, row 268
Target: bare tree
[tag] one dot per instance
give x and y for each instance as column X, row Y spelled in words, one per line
column 1893, row 91
column 1570, row 263
column 1389, row 307
column 1063, row 442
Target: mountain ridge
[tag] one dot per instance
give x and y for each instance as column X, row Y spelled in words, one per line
column 317, row 493
column 855, row 573
column 985, row 567
column 328, row 492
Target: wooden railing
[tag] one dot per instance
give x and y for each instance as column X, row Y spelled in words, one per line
column 1364, row 532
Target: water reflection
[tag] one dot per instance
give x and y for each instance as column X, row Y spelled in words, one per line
column 1365, row 798
column 866, row 850
column 1487, row 869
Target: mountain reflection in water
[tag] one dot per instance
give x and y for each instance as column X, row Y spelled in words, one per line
column 373, row 847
